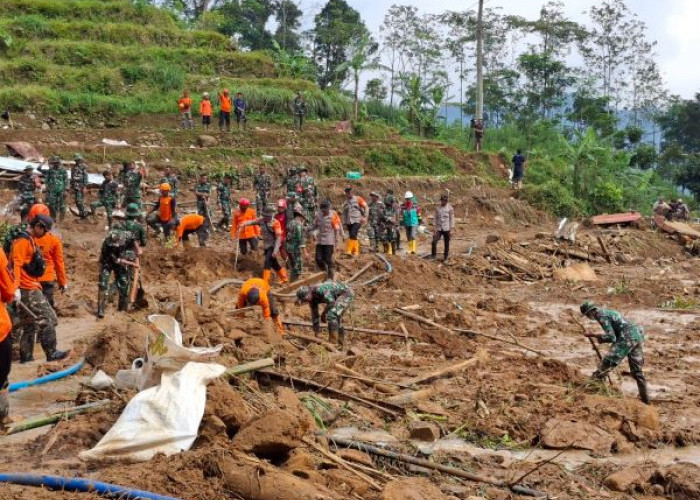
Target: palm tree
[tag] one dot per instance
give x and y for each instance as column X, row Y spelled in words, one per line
column 361, row 51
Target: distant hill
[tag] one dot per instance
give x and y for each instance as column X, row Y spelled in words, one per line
column 122, row 58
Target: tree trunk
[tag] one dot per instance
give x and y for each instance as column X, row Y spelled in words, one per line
column 357, row 84
column 480, row 62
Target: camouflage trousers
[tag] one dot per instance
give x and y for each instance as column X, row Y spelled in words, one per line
column 295, row 263
column 43, row 325
column 109, row 208
column 121, row 277
column 79, row 198
column 261, row 201
column 225, row 214
column 334, row 315
column 203, row 210
column 375, row 235
column 635, row 358
column 57, row 204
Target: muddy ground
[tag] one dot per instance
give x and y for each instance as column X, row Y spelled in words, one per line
column 521, row 414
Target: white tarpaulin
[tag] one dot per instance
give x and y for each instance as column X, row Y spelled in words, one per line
column 162, row 419
column 17, row 165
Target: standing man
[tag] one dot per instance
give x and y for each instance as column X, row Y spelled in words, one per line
column 132, row 184
column 626, row 339
column 309, row 192
column 478, row 134
column 171, row 179
column 56, row 184
column 246, row 235
column 256, row 291
column 329, row 231
column 206, row 111
column 203, row 191
column 354, row 211
column 114, row 259
column 184, row 104
column 26, row 187
column 262, row 183
column 225, row 104
column 122, row 181
column 410, row 219
column 52, row 251
column 295, row 244
column 223, row 191
column 189, row 224
column 392, row 207
column 240, row 107
column 271, row 230
column 338, row 297
column 163, row 216
column 377, row 212
column 444, row 224
column 299, row 107
column 36, row 313
column 291, row 182
column 108, row 194
column 133, row 216
column 516, row 181
column 78, row 184
column 7, row 295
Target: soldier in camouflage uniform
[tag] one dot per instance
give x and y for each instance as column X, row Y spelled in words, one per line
column 133, row 215
column 626, row 339
column 223, row 190
column 114, row 259
column 78, row 184
column 309, row 193
column 132, row 184
column 121, row 181
column 262, row 183
column 56, row 184
column 392, row 233
column 108, row 194
column 338, row 298
column 295, row 243
column 203, row 191
column 377, row 212
column 26, row 186
column 170, row 178
column 299, row 108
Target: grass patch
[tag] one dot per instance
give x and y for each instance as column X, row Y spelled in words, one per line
column 680, row 303
column 409, row 160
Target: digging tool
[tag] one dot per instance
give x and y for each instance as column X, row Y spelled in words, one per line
column 238, row 248
column 593, row 344
column 27, row 310
column 138, row 294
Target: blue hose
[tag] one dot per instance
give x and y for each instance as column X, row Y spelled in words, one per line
column 81, row 485
column 48, row 378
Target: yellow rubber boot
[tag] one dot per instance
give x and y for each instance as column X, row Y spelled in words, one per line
column 348, row 247
column 356, row 248
column 390, row 249
column 266, row 276
column 282, row 276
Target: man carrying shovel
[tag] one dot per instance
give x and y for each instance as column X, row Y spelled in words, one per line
column 626, row 339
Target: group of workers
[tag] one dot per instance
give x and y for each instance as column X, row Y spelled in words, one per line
column 226, row 105
column 676, row 210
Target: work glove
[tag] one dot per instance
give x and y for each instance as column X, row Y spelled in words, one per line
column 18, row 296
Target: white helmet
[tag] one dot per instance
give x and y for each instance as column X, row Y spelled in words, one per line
column 408, row 195
column 206, row 94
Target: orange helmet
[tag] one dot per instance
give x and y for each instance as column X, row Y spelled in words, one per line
column 165, row 187
column 38, row 208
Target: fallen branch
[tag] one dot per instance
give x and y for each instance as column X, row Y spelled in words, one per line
column 314, row 340
column 359, row 273
column 402, row 457
column 421, row 319
column 34, row 422
column 348, row 372
column 347, row 328
column 480, row 357
column 221, row 284
column 604, row 248
column 499, row 339
column 335, row 458
column 411, row 397
column 389, row 409
column 250, row 367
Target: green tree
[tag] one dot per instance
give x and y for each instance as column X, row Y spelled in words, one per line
column 335, row 28
column 591, row 110
column 375, row 90
column 359, row 54
column 288, row 17
column 246, row 20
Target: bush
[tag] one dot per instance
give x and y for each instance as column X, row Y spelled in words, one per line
column 371, row 130
column 410, row 160
column 553, row 197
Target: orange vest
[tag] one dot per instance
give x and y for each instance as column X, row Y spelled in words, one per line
column 248, row 231
column 7, row 292
column 22, row 253
column 186, row 103
column 205, row 108
column 190, row 222
column 52, row 251
column 165, row 208
column 224, row 103
column 263, row 288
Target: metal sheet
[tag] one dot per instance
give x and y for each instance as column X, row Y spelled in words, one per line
column 16, row 165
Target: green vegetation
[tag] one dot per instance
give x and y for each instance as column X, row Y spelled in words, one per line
column 680, row 303
column 409, row 160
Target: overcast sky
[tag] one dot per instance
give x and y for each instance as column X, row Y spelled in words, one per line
column 672, row 23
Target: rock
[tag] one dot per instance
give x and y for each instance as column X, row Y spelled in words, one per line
column 228, row 405
column 45, row 126
column 471, row 497
column 210, row 428
column 681, row 481
column 416, row 488
column 628, row 479
column 560, row 433
column 206, row 141
column 357, row 456
column 430, row 407
column 272, row 435
column 424, row 431
column 500, row 219
column 492, row 238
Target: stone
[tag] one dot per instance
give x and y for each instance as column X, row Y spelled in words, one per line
column 492, row 238
column 424, row 431
column 412, row 489
column 206, row 141
column 627, row 480
column 560, row 433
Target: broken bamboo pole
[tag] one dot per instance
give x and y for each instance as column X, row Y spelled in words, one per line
column 499, row 339
column 422, row 319
column 480, row 357
column 258, row 364
column 313, row 340
column 336, row 459
column 182, row 305
column 389, row 409
column 359, row 273
column 411, row 397
column 453, row 471
column 347, row 328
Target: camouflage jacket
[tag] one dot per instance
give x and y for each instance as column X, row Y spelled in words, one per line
column 137, row 230
column 116, row 245
column 295, row 236
column 617, row 329
column 328, row 292
column 377, row 212
column 56, row 180
column 299, row 106
column 109, row 192
column 224, row 193
column 308, row 189
column 26, row 187
column 78, row 176
column 132, row 184
column 202, row 190
column 262, row 183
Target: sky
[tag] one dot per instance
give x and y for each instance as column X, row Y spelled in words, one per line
column 672, row 23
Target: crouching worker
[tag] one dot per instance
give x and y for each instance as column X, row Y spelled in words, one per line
column 162, row 216
column 255, row 292
column 338, row 298
column 189, row 224
column 114, row 259
column 626, row 339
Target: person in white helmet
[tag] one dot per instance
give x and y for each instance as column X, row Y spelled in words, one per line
column 410, row 220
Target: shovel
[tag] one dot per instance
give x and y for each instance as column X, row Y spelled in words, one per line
column 138, row 295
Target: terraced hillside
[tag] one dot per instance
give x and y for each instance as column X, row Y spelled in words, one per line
column 121, row 58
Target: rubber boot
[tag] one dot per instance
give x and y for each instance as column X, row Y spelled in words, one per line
column 266, row 276
column 389, row 249
column 332, row 335
column 57, row 355
column 4, row 404
column 348, row 247
column 123, row 303
column 101, row 303
column 643, row 391
column 282, row 276
column 356, row 247
column 341, row 336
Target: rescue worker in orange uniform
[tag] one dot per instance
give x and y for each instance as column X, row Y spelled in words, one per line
column 192, row 223
column 162, row 216
column 52, row 251
column 205, row 110
column 247, row 236
column 38, row 208
column 271, row 230
column 184, row 104
column 256, row 291
column 7, row 294
column 225, row 104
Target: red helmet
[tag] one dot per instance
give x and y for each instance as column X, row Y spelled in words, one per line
column 244, row 202
column 282, row 203
column 38, row 208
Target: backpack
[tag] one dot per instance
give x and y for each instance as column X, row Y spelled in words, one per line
column 37, row 266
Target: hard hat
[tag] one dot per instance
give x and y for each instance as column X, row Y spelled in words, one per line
column 408, row 195
column 587, row 307
column 77, row 157
column 54, row 159
column 165, row 187
column 244, row 202
column 281, row 203
column 132, row 210
column 225, row 91
column 38, row 208
column 253, row 297
column 374, row 193
column 43, row 220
